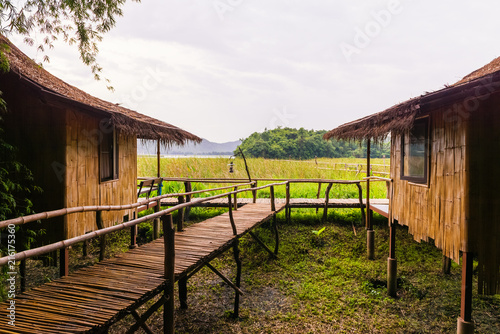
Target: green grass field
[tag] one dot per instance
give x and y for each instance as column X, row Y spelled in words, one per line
column 262, row 168
column 320, row 283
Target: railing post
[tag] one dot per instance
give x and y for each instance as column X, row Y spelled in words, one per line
column 156, row 222
column 64, row 262
column 133, row 234
column 288, row 209
column 169, row 272
column 254, row 192
column 180, row 215
column 273, row 205
column 231, row 218
column 188, row 188
column 327, row 199
column 235, row 199
column 100, row 225
column 318, row 193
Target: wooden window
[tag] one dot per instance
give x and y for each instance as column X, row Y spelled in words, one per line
column 108, row 156
column 415, row 152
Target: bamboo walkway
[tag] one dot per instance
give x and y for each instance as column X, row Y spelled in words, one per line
column 335, row 203
column 93, row 298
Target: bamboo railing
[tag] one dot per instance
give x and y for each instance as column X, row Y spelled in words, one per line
column 104, row 231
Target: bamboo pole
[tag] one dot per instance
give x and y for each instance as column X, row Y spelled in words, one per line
column 231, row 218
column 133, row 235
column 327, row 198
column 169, row 273
column 465, row 325
column 158, row 157
column 100, row 226
column 64, row 262
column 271, row 193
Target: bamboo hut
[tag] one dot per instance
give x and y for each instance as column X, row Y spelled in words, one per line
column 81, row 150
column 443, row 163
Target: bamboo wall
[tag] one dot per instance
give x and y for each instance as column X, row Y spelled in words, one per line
column 435, row 210
column 438, row 210
column 37, row 131
column 83, row 186
column 484, row 225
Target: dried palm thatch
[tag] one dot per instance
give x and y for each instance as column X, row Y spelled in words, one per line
column 400, row 117
column 126, row 120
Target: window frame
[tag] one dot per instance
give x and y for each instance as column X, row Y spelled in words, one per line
column 419, row 180
column 115, row 156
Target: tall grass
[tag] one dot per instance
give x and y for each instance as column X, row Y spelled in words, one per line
column 264, row 168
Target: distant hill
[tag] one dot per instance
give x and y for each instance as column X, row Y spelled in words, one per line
column 206, row 147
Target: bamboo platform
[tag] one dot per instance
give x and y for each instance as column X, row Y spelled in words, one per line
column 336, row 203
column 93, row 298
column 382, row 209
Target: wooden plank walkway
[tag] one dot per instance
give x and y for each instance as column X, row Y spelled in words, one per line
column 336, row 203
column 95, row 297
column 382, row 209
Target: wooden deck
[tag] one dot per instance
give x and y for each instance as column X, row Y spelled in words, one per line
column 338, row 203
column 382, row 209
column 93, row 298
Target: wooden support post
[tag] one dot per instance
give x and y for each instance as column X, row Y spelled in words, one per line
column 183, row 292
column 158, row 158
column 169, row 272
column 370, row 234
column 22, row 272
column 392, row 262
column 231, row 218
column 235, row 199
column 180, row 216
column 327, row 198
column 85, row 246
column 156, row 222
column 318, row 194
column 271, row 193
column 64, row 262
column 133, row 235
column 288, row 209
column 368, row 217
column 254, row 192
column 276, row 235
column 100, row 225
column 188, row 188
column 236, row 253
column 464, row 322
column 446, row 265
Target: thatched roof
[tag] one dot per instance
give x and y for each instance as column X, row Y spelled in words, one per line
column 126, row 120
column 400, row 117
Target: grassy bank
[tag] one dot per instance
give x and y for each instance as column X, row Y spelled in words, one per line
column 322, row 284
column 262, row 168
column 325, row 284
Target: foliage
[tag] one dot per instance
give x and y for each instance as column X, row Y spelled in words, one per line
column 288, row 143
column 77, row 22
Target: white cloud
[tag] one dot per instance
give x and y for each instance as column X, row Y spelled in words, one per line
column 224, row 79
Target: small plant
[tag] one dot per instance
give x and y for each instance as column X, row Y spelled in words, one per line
column 318, row 233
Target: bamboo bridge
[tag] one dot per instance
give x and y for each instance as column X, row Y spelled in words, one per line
column 92, row 299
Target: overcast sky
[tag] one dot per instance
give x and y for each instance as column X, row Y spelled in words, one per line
column 223, row 69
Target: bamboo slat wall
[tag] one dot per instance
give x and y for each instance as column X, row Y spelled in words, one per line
column 435, row 210
column 83, row 186
column 484, row 148
column 37, row 132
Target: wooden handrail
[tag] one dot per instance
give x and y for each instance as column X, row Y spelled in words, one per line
column 91, row 208
column 68, row 242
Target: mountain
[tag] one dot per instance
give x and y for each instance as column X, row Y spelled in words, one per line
column 206, row 147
